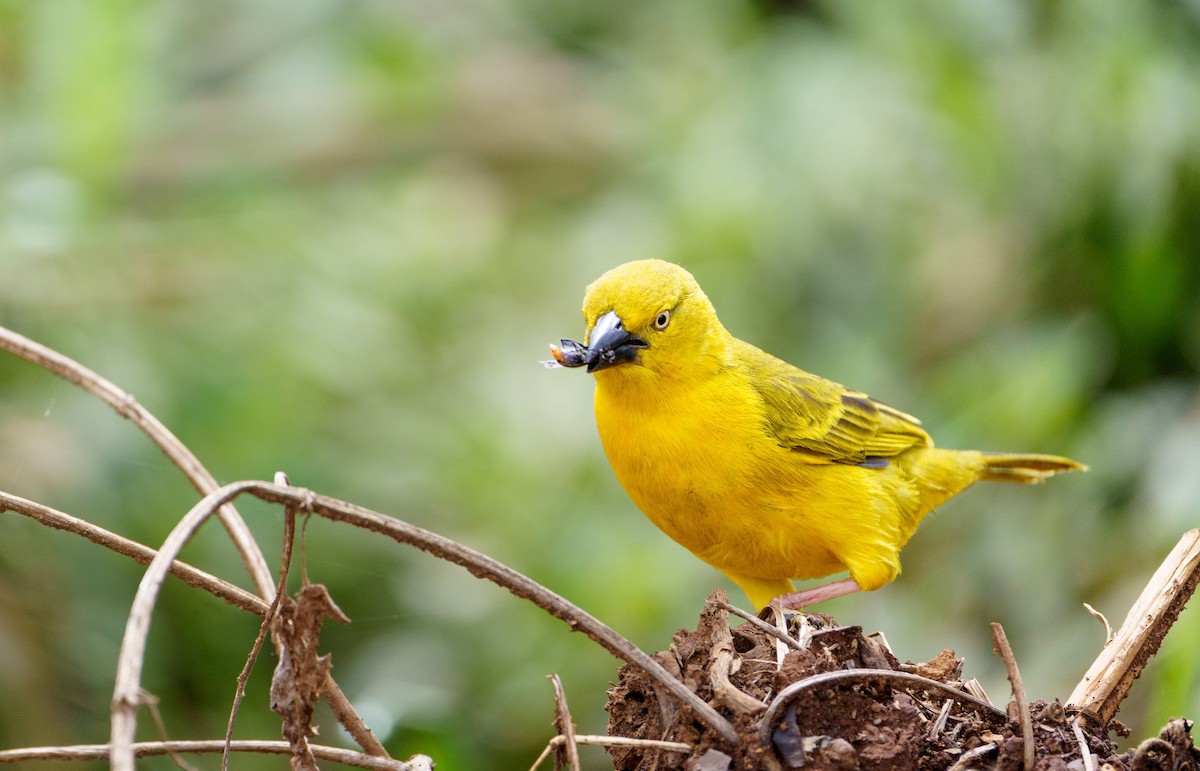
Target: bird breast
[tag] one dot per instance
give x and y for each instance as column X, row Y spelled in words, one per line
column 682, row 456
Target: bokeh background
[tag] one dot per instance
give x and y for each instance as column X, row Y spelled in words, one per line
column 334, row 237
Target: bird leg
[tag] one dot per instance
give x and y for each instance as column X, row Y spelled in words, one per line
column 800, row 600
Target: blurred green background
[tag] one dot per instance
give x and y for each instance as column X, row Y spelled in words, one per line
column 334, row 238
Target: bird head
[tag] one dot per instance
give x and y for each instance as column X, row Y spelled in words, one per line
column 648, row 317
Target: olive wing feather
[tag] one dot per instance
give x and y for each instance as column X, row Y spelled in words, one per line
column 819, row 417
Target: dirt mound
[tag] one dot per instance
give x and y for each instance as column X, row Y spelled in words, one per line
column 832, row 698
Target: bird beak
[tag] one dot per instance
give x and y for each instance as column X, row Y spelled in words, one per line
column 610, row 344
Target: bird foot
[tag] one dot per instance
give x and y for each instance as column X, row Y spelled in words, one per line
column 800, row 600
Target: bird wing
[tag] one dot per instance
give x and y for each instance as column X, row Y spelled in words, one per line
column 817, row 416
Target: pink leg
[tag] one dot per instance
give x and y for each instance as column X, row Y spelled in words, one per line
column 802, row 599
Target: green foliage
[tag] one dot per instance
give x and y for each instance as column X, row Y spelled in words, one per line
column 334, row 238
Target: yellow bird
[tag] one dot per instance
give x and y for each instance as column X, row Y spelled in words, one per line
column 762, row 470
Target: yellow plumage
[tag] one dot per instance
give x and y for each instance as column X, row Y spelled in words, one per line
column 762, row 470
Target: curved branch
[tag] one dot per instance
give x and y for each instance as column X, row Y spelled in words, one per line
column 482, row 566
column 126, row 692
column 186, row 461
column 767, row 726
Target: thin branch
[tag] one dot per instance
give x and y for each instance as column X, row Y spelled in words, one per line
column 613, row 741
column 758, row 622
column 1100, row 693
column 626, row 741
column 551, row 746
column 482, row 566
column 160, row 726
column 351, row 720
column 126, row 692
column 176, row 451
column 564, row 724
column 1018, row 689
column 130, row 661
column 289, row 529
column 78, row 752
column 58, row 520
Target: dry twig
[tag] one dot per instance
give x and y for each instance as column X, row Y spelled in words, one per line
column 939, row 724
column 1100, row 693
column 160, row 726
column 1018, row 689
column 565, row 725
column 1089, row 761
column 612, row 741
column 722, row 666
column 81, row 752
column 289, row 527
column 758, row 622
column 234, row 595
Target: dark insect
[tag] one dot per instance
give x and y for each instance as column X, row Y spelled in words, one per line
column 571, row 354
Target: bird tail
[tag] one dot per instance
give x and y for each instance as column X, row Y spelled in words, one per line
column 1025, row 468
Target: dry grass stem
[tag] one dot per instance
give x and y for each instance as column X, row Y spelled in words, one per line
column 1018, row 689
column 85, row 752
column 1100, row 693
column 126, row 692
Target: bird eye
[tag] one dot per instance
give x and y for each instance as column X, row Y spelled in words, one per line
column 663, row 319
